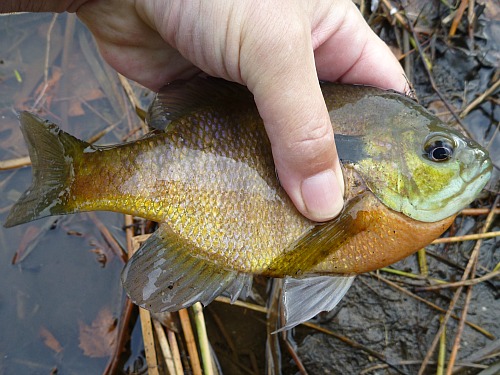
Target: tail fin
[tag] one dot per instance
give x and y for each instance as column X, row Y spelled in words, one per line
column 52, row 152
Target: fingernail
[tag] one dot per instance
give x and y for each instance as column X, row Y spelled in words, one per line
column 321, row 195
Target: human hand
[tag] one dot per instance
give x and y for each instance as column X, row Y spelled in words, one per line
column 278, row 49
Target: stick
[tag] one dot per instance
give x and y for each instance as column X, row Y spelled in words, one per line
column 470, row 282
column 123, row 336
column 479, row 99
column 149, row 342
column 442, row 353
column 468, row 237
column 165, row 348
column 190, row 342
column 15, row 163
column 172, row 340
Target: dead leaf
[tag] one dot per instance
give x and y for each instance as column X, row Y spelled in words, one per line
column 99, row 339
column 49, row 340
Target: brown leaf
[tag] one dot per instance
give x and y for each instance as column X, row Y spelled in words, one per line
column 49, row 340
column 99, row 339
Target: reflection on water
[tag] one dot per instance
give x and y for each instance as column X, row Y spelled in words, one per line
column 68, row 280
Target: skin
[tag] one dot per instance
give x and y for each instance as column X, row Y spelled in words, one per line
column 278, row 49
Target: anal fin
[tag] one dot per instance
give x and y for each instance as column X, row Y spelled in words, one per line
column 163, row 275
column 302, row 299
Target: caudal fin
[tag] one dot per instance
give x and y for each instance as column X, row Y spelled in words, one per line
column 52, row 152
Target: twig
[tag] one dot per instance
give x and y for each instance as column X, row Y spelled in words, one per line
column 442, row 353
column 468, row 297
column 69, row 34
column 147, row 332
column 409, row 275
column 293, row 353
column 149, row 342
column 108, row 237
column 353, row 344
column 165, row 348
column 133, row 100
column 468, row 269
column 122, row 338
column 436, row 307
column 394, row 11
column 478, row 211
column 15, row 163
column 247, row 305
column 431, row 78
column 172, row 340
column 46, row 66
column 468, row 237
column 458, row 18
column 201, row 330
column 470, row 282
column 479, row 99
column 190, row 342
column 422, row 262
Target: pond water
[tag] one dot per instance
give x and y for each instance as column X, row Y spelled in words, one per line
column 66, row 277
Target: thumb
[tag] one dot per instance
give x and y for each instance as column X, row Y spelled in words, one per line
column 289, row 99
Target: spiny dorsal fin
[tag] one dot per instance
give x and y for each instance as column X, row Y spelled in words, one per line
column 163, row 275
column 182, row 97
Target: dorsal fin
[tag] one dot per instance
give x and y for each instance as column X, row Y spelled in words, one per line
column 182, row 97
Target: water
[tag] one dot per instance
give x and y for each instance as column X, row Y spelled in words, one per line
column 70, row 274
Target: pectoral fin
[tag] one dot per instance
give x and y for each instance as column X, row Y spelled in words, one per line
column 302, row 299
column 163, row 275
column 319, row 242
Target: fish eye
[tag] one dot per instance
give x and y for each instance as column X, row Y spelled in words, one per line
column 438, row 149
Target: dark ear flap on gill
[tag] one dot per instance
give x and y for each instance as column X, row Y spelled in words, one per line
column 182, row 97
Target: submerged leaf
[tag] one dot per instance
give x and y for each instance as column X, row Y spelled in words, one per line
column 49, row 340
column 99, row 339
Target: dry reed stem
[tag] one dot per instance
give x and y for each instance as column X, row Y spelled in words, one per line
column 133, row 101
column 122, row 337
column 149, row 341
column 422, row 262
column 431, row 77
column 145, row 316
column 165, row 347
column 353, row 344
column 15, row 163
column 201, row 330
column 442, row 352
column 468, row 297
column 470, row 282
column 470, row 266
column 46, row 65
column 190, row 342
column 172, row 340
column 108, row 237
column 457, row 18
column 436, row 307
column 468, row 237
column 478, row 211
column 480, row 99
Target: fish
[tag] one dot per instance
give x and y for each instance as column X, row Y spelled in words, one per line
column 206, row 174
